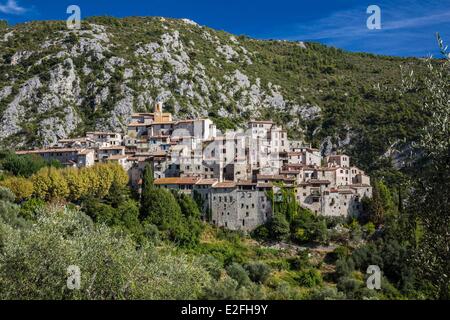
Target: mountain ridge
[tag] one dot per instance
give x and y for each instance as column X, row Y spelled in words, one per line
column 56, row 83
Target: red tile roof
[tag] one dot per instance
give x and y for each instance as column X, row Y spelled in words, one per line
column 224, row 185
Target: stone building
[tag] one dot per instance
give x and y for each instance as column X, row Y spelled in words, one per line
column 229, row 173
column 240, row 206
column 66, row 156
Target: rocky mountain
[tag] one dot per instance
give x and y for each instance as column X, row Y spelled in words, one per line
column 57, row 83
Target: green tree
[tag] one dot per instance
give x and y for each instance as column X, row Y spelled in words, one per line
column 162, row 209
column 374, row 209
column 24, row 165
column 148, row 177
column 279, row 227
column 147, row 188
column 429, row 202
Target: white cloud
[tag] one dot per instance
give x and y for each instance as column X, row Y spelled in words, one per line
column 351, row 23
column 12, row 7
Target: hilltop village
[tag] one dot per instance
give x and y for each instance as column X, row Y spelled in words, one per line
column 231, row 173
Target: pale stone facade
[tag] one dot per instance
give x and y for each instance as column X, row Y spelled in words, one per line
column 231, row 172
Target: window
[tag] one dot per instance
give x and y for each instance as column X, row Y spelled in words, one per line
column 247, row 214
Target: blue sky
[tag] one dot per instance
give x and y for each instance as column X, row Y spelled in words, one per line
column 408, row 27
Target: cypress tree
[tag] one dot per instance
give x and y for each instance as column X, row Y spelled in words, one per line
column 147, row 188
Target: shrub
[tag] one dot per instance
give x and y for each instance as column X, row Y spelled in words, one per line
column 355, row 289
column 212, row 265
column 326, row 293
column 6, row 195
column 369, row 229
column 62, row 238
column 261, row 233
column 9, row 215
column 340, row 252
column 224, row 289
column 309, row 278
column 344, row 267
column 258, row 271
column 238, row 273
column 300, row 261
column 30, row 208
column 151, row 232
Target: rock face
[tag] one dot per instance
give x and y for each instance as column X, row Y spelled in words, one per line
column 94, row 79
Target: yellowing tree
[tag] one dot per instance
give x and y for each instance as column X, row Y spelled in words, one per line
column 21, row 187
column 92, row 180
column 120, row 176
column 74, row 184
column 105, row 178
column 77, row 182
column 50, row 184
column 41, row 183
